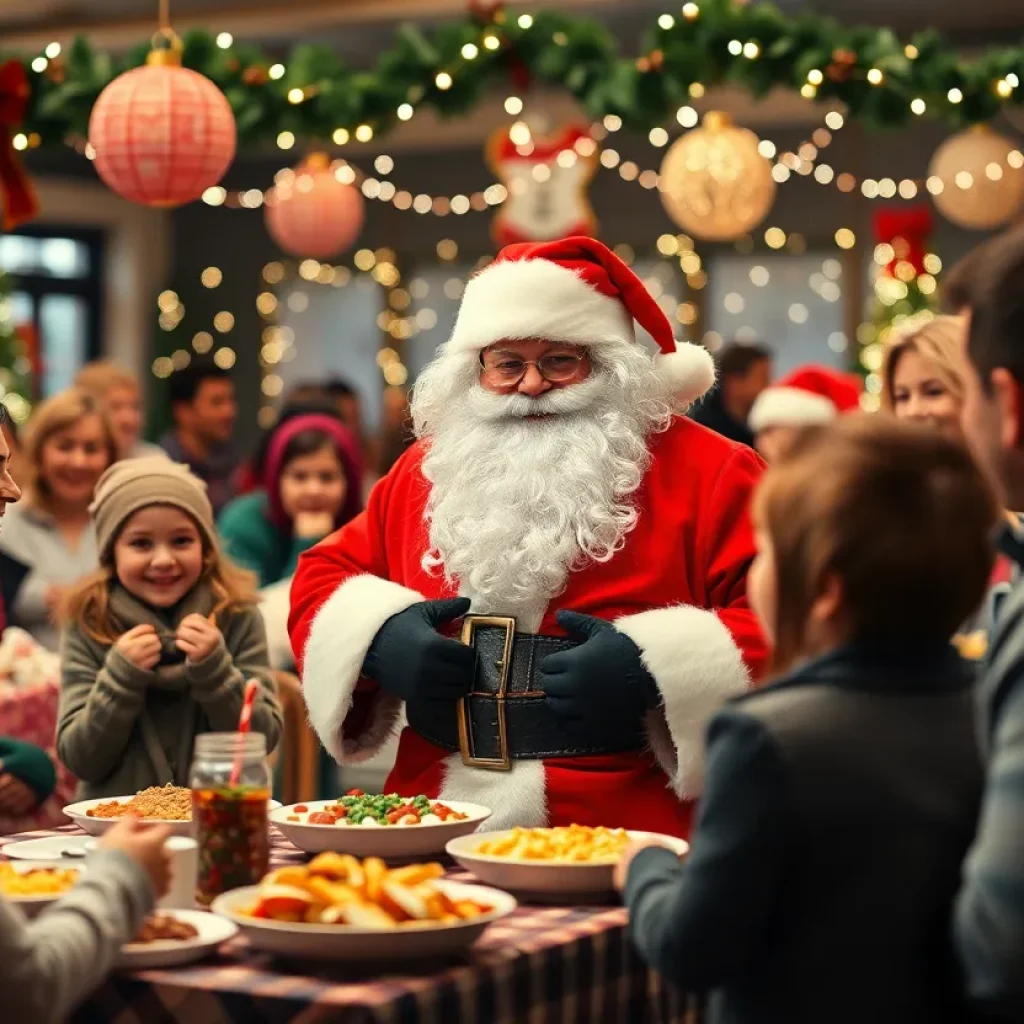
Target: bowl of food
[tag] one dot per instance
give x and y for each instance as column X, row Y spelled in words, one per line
column 378, row 825
column 171, row 938
column 571, row 860
column 33, row 885
column 164, row 805
column 340, row 908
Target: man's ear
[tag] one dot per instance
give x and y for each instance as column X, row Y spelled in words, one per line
column 1009, row 399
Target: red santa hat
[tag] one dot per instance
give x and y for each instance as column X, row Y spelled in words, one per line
column 575, row 290
column 805, row 396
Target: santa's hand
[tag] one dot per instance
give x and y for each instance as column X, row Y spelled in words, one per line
column 601, row 688
column 411, row 660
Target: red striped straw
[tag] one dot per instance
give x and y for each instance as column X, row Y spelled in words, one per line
column 244, row 720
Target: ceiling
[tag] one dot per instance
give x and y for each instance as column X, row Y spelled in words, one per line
column 363, row 26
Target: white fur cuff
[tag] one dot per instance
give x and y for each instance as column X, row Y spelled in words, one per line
column 339, row 638
column 697, row 666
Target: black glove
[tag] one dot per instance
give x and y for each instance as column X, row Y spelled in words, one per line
column 411, row 660
column 601, row 689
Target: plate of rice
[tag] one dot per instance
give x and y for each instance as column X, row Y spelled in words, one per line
column 163, row 805
column 34, row 886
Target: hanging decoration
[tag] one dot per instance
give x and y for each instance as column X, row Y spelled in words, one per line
column 880, row 80
column 715, row 184
column 17, row 196
column 162, row 134
column 315, row 211
column 545, row 174
column 982, row 188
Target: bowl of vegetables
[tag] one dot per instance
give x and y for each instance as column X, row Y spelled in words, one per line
column 378, row 824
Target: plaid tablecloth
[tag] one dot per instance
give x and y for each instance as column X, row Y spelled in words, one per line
column 540, row 965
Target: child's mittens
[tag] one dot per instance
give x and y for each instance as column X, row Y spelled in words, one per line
column 198, row 637
column 141, row 646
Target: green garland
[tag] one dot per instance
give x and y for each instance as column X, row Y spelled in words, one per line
column 702, row 45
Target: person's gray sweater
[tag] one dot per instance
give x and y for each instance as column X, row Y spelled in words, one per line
column 50, row 964
column 31, row 537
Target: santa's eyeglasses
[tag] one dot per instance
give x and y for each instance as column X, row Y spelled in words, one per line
column 504, row 370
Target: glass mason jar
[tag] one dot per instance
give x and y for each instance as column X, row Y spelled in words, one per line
column 230, row 818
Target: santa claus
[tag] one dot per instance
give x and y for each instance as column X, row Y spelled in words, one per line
column 593, row 541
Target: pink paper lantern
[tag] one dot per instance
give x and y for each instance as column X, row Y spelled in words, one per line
column 163, row 134
column 310, row 213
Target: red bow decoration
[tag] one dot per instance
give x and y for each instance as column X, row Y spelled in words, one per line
column 16, row 192
column 906, row 230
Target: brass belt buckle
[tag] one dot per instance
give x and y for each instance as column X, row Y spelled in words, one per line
column 503, row 763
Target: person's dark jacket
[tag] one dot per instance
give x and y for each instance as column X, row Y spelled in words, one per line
column 838, row 805
column 711, row 413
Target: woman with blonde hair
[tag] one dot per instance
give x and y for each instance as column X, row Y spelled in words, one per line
column 120, row 396
column 922, row 376
column 67, row 447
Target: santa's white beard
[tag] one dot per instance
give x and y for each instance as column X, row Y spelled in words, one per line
column 516, row 503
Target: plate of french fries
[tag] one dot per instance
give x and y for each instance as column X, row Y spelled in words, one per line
column 338, row 907
column 562, row 861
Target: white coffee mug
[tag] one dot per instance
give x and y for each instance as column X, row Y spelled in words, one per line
column 184, row 866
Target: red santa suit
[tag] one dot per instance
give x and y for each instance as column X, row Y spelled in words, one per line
column 676, row 587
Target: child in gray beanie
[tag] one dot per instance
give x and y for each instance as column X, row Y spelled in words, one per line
column 158, row 644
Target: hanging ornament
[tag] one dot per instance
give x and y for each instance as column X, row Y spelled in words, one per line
column 714, row 182
column 163, row 134
column 980, row 188
column 313, row 211
column 546, row 175
column 842, row 65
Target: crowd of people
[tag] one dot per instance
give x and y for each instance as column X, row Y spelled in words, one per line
column 762, row 661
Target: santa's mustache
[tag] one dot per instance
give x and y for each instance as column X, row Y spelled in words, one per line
column 490, row 406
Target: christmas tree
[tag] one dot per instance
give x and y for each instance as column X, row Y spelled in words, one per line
column 16, row 389
column 904, row 287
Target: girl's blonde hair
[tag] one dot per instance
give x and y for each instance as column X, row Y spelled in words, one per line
column 50, row 417
column 938, row 341
column 87, row 605
column 898, row 513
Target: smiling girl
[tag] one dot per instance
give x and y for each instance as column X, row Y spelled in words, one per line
column 157, row 645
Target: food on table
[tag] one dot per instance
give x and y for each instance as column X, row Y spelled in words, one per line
column 165, row 928
column 575, row 844
column 231, row 829
column 336, row 888
column 370, row 810
column 168, row 803
column 37, row 881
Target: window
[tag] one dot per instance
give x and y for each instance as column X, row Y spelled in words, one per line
column 58, row 289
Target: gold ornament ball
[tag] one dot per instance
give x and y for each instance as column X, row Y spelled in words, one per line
column 994, row 190
column 714, row 183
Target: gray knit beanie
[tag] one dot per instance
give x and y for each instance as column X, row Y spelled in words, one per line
column 132, row 484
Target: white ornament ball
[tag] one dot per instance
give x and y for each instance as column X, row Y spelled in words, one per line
column 982, row 179
column 714, row 183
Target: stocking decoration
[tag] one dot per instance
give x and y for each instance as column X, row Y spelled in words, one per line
column 546, row 177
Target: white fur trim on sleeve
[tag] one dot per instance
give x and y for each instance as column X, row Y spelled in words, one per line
column 789, row 407
column 339, row 638
column 697, row 666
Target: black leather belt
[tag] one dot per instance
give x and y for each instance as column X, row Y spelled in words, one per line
column 505, row 717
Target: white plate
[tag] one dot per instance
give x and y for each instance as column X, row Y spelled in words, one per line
column 33, row 905
column 52, row 848
column 97, row 826
column 544, row 877
column 387, row 841
column 342, row 942
column 213, row 930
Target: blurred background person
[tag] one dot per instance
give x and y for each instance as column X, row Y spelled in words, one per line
column 806, row 396
column 743, row 371
column 310, row 474
column 120, row 396
column 204, row 411
column 68, row 445
column 923, row 374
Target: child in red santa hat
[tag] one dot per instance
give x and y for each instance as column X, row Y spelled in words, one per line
column 807, row 396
